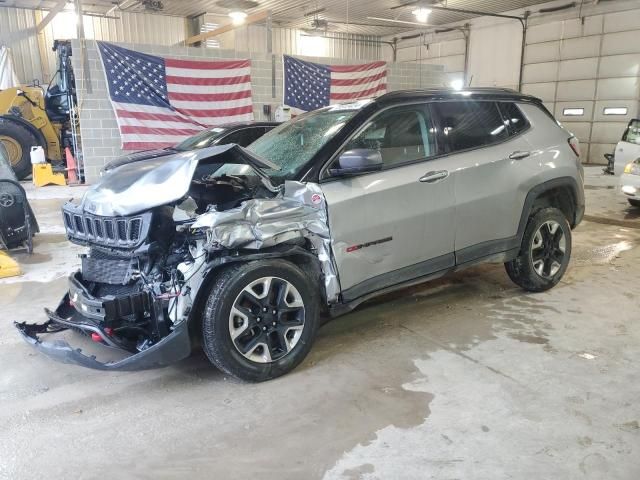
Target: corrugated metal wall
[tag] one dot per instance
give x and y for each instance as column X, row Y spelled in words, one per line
column 17, row 30
column 253, row 38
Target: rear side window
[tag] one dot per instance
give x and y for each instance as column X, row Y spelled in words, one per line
column 514, row 117
column 632, row 134
column 400, row 134
column 470, row 124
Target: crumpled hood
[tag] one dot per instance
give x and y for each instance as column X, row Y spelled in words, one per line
column 135, row 187
column 136, row 157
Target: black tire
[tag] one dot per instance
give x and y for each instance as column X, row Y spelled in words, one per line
column 633, row 203
column 522, row 271
column 221, row 349
column 18, row 142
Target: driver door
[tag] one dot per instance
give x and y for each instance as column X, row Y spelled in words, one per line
column 392, row 225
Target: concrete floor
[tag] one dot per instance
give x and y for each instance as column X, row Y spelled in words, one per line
column 466, row 377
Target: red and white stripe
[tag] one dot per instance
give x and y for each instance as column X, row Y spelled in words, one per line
column 203, row 93
column 356, row 82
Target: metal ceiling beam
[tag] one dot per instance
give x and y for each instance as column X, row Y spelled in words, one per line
column 417, row 24
column 460, row 10
column 253, row 18
column 57, row 8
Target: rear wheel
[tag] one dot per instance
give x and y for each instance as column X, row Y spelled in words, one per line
column 633, row 203
column 260, row 319
column 544, row 253
column 18, row 140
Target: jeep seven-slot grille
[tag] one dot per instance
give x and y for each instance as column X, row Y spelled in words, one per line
column 123, row 232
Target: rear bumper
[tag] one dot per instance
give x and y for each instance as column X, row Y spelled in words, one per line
column 78, row 310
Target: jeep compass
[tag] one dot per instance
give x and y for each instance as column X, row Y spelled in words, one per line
column 313, row 218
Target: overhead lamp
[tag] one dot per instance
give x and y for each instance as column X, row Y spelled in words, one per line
column 237, row 17
column 422, row 14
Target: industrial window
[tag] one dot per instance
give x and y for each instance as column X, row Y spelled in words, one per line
column 470, row 124
column 400, row 134
column 513, row 117
column 572, row 112
column 615, row 110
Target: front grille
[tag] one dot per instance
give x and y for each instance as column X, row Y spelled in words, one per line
column 121, row 232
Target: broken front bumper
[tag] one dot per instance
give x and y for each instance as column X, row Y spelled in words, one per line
column 170, row 349
column 89, row 316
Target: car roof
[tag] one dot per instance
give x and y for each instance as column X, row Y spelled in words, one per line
column 488, row 93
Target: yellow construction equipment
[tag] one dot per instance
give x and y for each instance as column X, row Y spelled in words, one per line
column 31, row 116
column 8, row 266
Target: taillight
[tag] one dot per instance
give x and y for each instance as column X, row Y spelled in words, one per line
column 574, row 143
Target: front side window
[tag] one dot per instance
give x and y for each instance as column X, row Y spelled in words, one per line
column 632, row 134
column 401, row 135
column 514, row 117
column 470, row 124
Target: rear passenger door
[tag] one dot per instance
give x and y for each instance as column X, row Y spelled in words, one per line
column 489, row 156
column 396, row 224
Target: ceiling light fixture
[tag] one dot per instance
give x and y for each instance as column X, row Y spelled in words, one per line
column 422, row 14
column 237, row 17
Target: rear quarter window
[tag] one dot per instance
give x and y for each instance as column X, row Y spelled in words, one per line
column 470, row 124
column 513, row 116
column 632, row 133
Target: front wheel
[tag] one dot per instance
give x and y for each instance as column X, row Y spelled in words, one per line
column 544, row 253
column 633, row 202
column 260, row 319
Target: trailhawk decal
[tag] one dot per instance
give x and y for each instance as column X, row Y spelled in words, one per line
column 353, row 248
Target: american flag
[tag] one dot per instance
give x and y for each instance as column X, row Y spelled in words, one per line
column 159, row 101
column 309, row 85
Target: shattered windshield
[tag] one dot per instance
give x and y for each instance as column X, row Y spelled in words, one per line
column 292, row 144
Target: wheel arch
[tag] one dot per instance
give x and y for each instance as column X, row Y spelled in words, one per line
column 21, row 121
column 295, row 254
column 562, row 193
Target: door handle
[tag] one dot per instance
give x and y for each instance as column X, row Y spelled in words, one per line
column 519, row 155
column 432, row 177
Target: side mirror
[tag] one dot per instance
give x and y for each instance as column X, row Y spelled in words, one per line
column 356, row 161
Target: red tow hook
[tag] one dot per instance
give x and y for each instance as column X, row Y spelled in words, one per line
column 97, row 338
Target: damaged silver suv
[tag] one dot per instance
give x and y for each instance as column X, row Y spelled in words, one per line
column 318, row 215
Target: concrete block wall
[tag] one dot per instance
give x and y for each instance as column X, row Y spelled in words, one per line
column 100, row 137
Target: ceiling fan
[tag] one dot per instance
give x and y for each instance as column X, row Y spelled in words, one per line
column 317, row 26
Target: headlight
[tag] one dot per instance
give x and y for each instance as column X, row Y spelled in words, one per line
column 633, row 168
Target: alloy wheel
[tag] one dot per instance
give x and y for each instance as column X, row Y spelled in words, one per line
column 267, row 319
column 548, row 249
